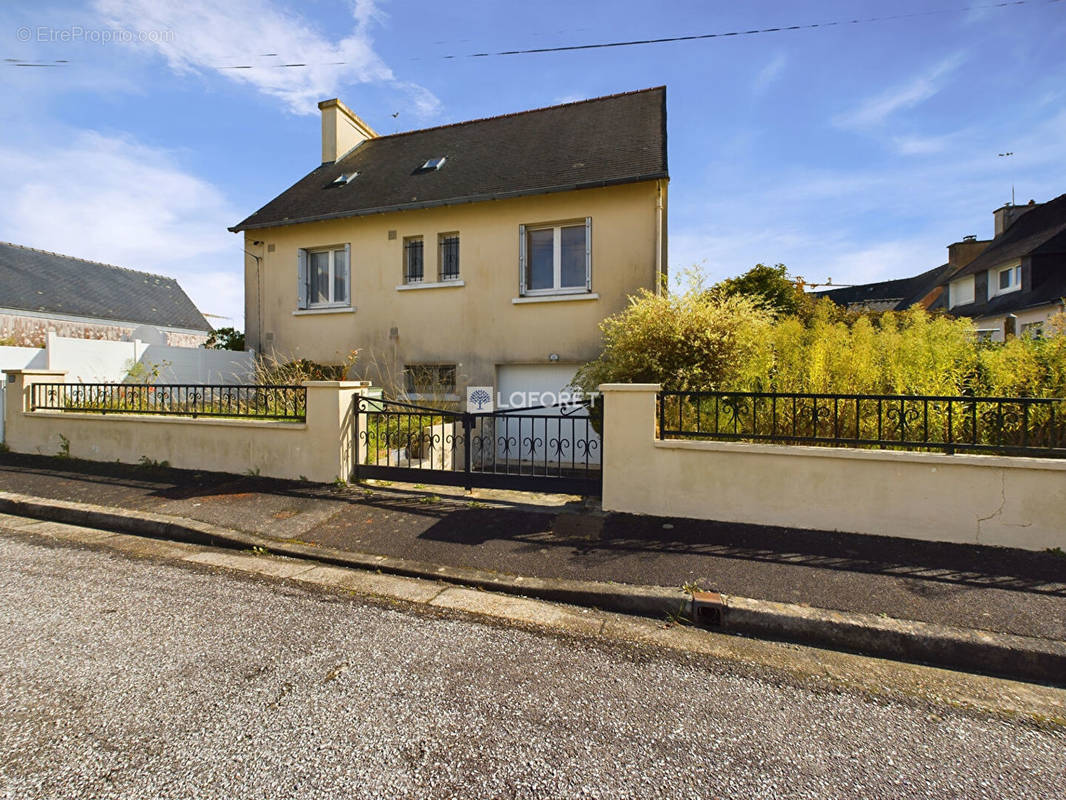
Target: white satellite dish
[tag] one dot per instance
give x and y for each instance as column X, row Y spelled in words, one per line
column 149, row 334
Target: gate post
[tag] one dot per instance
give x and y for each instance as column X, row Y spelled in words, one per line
column 468, row 427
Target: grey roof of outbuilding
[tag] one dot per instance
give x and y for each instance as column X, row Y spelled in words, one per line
column 904, row 291
column 1042, row 230
column 45, row 282
column 609, row 140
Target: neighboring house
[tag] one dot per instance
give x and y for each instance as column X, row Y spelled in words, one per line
column 1011, row 283
column 479, row 253
column 42, row 292
column 889, row 295
column 1019, row 280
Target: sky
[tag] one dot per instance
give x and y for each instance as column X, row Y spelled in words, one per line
column 855, row 151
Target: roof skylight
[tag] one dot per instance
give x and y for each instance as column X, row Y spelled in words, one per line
column 433, row 163
column 343, row 178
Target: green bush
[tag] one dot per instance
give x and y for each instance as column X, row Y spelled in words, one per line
column 693, row 339
column 697, row 339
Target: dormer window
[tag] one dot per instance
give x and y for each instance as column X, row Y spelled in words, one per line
column 1002, row 280
column 432, row 164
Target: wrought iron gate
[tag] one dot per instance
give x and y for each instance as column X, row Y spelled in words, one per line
column 546, row 449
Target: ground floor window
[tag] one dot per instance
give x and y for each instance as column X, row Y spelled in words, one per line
column 429, row 379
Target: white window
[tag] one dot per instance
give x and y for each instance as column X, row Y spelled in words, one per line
column 1004, row 279
column 556, row 259
column 325, row 277
column 961, row 291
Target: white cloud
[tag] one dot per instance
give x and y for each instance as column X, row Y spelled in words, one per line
column 209, row 36
column 115, row 200
column 921, row 145
column 769, row 74
column 876, row 110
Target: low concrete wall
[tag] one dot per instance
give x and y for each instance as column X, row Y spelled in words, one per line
column 991, row 500
column 319, row 449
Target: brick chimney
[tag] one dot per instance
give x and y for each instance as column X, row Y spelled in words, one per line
column 1007, row 215
column 962, row 253
column 341, row 130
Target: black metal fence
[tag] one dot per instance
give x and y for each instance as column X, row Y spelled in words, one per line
column 186, row 400
column 546, row 449
column 1004, row 425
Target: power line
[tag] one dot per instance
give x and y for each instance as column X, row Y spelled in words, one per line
column 781, row 29
column 18, row 62
column 706, row 36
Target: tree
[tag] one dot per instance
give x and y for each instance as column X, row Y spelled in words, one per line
column 692, row 339
column 770, row 286
column 225, row 339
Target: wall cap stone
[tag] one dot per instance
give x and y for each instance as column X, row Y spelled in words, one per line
column 630, row 387
column 851, row 453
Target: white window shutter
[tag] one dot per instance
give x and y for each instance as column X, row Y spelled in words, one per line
column 588, row 253
column 348, row 277
column 522, row 258
column 301, row 278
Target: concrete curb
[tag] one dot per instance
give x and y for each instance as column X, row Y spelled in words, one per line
column 1017, row 657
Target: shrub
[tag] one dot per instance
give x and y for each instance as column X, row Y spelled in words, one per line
column 694, row 339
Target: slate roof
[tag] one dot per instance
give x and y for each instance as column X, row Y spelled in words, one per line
column 609, row 140
column 45, row 282
column 1042, row 230
column 904, row 291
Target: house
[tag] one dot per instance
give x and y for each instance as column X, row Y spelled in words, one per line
column 42, row 292
column 891, row 295
column 482, row 253
column 1019, row 279
column 1009, row 284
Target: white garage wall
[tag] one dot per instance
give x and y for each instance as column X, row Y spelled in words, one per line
column 98, row 361
column 522, row 385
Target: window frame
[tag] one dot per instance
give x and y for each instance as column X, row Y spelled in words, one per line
column 1015, row 277
column 557, row 265
column 438, row 389
column 408, row 242
column 442, row 240
column 304, row 301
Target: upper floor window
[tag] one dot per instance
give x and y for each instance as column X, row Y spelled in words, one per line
column 961, row 291
column 413, row 263
column 324, row 277
column 556, row 259
column 448, row 257
column 1004, row 279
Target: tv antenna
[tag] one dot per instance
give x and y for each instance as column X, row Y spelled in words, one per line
column 1007, row 155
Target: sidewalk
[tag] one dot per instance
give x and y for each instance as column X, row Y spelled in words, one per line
column 1003, row 591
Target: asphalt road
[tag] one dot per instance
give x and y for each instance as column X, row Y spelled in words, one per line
column 142, row 679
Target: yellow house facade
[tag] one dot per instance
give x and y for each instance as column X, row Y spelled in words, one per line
column 479, row 254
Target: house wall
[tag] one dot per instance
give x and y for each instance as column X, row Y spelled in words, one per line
column 996, row 322
column 27, row 329
column 990, row 500
column 320, row 449
column 476, row 325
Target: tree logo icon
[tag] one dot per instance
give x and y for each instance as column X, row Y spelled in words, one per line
column 479, row 399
